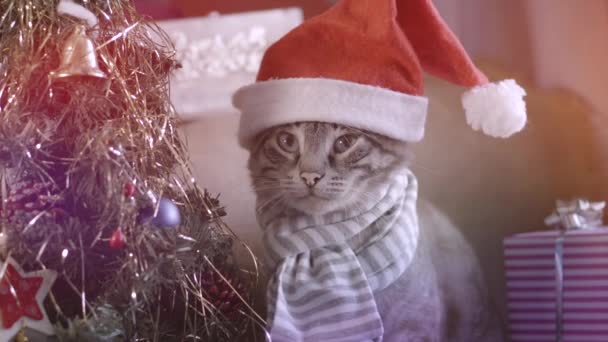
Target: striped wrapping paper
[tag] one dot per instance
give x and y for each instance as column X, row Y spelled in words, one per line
column 532, row 286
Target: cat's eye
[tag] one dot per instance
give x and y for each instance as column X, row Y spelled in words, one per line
column 287, row 142
column 344, row 143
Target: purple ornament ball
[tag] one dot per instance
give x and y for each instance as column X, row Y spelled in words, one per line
column 168, row 214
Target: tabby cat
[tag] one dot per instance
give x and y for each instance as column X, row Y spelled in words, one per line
column 319, row 168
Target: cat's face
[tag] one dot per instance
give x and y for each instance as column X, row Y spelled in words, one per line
column 317, row 168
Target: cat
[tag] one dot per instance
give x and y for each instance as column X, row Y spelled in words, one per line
column 318, row 168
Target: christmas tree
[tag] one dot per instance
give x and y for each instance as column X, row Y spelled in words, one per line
column 105, row 236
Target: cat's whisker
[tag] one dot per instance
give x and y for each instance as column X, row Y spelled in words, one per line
column 259, row 176
column 276, row 206
column 262, row 177
column 269, row 201
column 257, row 185
column 418, row 166
column 266, row 188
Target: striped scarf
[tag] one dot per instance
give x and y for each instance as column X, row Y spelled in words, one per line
column 327, row 268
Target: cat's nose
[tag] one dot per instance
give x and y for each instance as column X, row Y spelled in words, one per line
column 311, row 178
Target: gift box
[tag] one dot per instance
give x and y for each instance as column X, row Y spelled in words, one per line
column 557, row 283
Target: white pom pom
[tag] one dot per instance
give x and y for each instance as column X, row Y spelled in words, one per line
column 498, row 109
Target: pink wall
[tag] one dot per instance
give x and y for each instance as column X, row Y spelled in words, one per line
column 491, row 29
column 570, row 47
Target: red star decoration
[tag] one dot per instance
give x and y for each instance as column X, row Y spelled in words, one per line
column 18, row 297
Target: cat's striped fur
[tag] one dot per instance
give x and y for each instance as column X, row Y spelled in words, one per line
column 316, row 168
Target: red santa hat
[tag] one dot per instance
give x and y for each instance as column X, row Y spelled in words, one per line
column 361, row 64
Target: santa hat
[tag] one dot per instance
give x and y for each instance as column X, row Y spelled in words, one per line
column 361, row 64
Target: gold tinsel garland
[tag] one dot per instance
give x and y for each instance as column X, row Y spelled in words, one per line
column 90, row 137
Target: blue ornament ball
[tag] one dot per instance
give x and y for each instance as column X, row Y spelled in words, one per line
column 168, row 214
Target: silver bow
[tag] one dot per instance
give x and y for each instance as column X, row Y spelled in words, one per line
column 577, row 214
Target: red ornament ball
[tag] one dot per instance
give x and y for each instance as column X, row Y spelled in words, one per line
column 117, row 240
column 129, row 190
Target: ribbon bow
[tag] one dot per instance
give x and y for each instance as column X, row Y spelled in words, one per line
column 576, row 214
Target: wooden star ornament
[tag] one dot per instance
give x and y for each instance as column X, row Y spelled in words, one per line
column 21, row 299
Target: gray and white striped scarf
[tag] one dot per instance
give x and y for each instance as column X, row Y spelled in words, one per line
column 327, row 268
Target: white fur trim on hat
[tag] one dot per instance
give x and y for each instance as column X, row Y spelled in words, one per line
column 70, row 8
column 271, row 103
column 498, row 109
